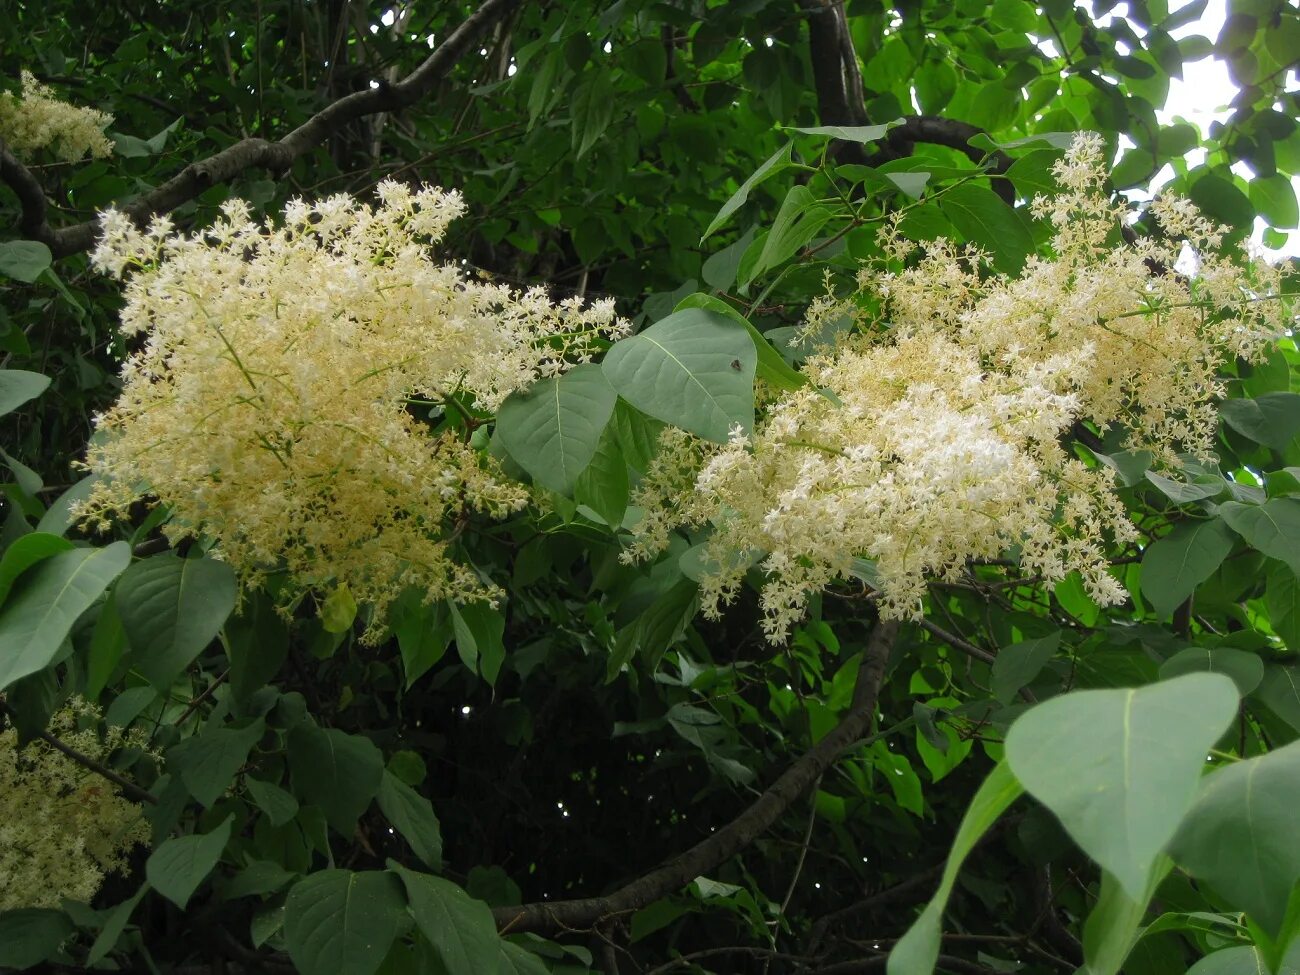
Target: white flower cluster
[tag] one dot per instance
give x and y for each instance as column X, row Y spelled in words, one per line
column 269, row 404
column 39, row 120
column 62, row 827
column 936, row 438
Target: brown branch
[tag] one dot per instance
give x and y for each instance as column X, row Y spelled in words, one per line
column 28, row 190
column 274, row 156
column 128, row 787
column 547, row 917
column 956, row 642
column 836, row 78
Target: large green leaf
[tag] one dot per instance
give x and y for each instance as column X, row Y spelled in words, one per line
column 337, row 922
column 1239, row 836
column 1272, row 419
column 24, row 260
column 1175, row 565
column 479, row 628
column 31, row 935
column 591, row 109
column 1244, row 960
column 412, row 815
column 1281, row 596
column 918, row 949
column 1272, row 527
column 18, row 386
column 796, row 223
column 603, row 486
column 987, row 222
column 208, row 762
column 1119, row 768
column 861, row 134
column 47, row 600
column 1245, row 669
column 180, row 864
column 339, row 772
column 171, row 609
column 694, row 369
column 771, row 368
column 1279, row 691
column 553, row 428
column 778, row 161
column 1018, row 664
column 26, row 552
column 459, row 928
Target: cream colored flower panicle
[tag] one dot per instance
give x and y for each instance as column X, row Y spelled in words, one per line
column 39, row 120
column 62, row 827
column 269, row 403
column 935, row 438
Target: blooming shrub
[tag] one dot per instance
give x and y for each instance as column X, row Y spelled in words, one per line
column 62, row 827
column 935, row 435
column 39, row 120
column 269, row 405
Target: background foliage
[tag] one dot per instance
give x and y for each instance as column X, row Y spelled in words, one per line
column 320, row 804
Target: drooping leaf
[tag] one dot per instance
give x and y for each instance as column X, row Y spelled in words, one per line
column 694, row 369
column 1272, row 527
column 1281, row 596
column 459, row 928
column 1245, row 669
column 337, row 922
column 591, row 111
column 18, row 386
column 279, row 806
column 412, row 815
column 1018, row 664
column 46, row 601
column 1272, row 419
column 552, row 429
column 172, row 608
column 1279, row 691
column 209, row 761
column 31, row 935
column 177, row 867
column 1119, row 768
column 336, row 771
column 796, row 223
column 112, row 930
column 1173, row 566
column 479, row 628
column 918, row 949
column 775, row 163
column 603, row 486
column 1239, row 836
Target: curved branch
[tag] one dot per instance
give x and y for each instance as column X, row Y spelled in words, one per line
column 275, row 156
column 549, row 917
column 29, row 192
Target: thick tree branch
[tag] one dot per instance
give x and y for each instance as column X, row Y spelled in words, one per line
column 736, row 835
column 29, row 192
column 249, row 153
column 836, row 78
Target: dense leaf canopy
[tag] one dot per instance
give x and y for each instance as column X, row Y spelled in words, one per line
column 917, row 588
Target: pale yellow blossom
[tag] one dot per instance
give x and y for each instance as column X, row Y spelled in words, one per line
column 39, row 120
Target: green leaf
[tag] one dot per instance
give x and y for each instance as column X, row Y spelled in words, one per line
column 17, row 386
column 1272, row 419
column 592, row 109
column 412, row 815
column 171, row 609
column 1220, row 199
column 336, row 771
column 918, row 949
column 338, row 611
column 719, row 271
column 985, row 221
column 1181, row 492
column 1281, row 596
column 1239, row 837
column 459, row 928
column 337, row 922
column 553, row 428
column 1018, row 664
column 259, row 877
column 1119, row 768
column 30, row 935
column 112, row 930
column 771, row 368
column 423, row 634
column 24, row 260
column 1274, row 198
column 1057, row 140
column 1112, row 928
column 1279, row 691
column 861, row 134
column 279, row 806
column 603, row 486
column 479, row 628
column 47, row 600
column 1245, row 669
column 796, row 223
column 1244, row 960
column 518, row 961
column 26, row 552
column 694, row 369
column 257, row 643
column 1175, row 565
column 775, row 163
column 177, row 867
column 208, row 762
column 1272, row 527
